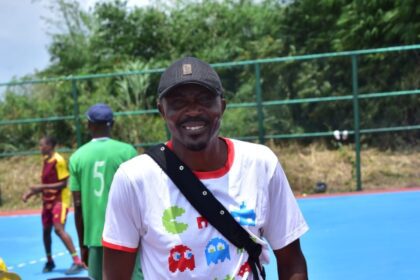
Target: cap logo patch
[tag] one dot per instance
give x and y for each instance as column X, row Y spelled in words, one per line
column 186, row 69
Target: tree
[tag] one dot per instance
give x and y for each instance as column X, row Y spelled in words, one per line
column 114, row 38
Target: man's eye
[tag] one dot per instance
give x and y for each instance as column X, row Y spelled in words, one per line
column 206, row 99
column 177, row 103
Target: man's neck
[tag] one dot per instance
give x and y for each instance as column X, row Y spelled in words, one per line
column 213, row 157
column 101, row 135
column 49, row 155
column 100, row 138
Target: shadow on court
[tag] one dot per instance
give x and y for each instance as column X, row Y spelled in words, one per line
column 361, row 236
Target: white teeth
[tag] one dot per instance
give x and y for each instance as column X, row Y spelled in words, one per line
column 193, row 127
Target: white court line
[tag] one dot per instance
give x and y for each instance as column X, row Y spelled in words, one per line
column 43, row 259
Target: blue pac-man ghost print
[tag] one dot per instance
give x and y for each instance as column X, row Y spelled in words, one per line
column 245, row 217
column 217, row 249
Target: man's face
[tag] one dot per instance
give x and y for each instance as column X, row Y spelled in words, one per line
column 193, row 114
column 44, row 147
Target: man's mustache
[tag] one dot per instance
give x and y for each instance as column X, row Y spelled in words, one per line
column 193, row 119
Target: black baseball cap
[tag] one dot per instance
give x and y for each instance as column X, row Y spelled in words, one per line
column 189, row 70
column 100, row 113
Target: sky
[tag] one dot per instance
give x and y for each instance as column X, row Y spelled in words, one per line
column 24, row 36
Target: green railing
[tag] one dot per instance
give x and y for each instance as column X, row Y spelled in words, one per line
column 259, row 103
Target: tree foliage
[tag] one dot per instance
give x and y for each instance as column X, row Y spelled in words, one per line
column 112, row 37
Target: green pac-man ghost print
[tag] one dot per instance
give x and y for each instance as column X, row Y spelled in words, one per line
column 169, row 220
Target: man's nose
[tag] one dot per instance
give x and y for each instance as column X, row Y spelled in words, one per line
column 194, row 108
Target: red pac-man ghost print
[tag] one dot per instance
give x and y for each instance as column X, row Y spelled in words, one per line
column 181, row 258
column 245, row 268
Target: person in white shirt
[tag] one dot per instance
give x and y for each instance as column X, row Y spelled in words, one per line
column 147, row 212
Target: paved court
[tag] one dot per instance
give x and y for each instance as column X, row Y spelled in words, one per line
column 354, row 237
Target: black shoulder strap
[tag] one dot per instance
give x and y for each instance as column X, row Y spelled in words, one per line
column 206, row 204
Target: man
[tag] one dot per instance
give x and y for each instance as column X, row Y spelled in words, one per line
column 147, row 212
column 92, row 168
column 56, row 202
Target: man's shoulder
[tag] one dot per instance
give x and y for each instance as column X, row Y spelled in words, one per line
column 118, row 142
column 59, row 160
column 247, row 155
column 250, row 149
column 111, row 144
column 123, row 149
column 142, row 163
column 58, row 157
column 141, row 160
column 80, row 150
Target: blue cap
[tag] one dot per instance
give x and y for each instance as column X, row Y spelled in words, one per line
column 100, row 113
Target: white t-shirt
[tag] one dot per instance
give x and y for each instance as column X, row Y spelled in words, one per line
column 147, row 212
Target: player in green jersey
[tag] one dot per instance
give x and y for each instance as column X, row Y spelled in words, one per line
column 92, row 169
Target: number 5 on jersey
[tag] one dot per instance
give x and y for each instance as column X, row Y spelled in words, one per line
column 98, row 174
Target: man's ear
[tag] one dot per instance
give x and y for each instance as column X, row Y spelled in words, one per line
column 223, row 105
column 160, row 108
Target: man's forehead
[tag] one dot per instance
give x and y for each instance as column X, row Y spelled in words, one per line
column 187, row 89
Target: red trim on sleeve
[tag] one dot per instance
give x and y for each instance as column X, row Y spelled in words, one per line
column 118, row 247
column 221, row 171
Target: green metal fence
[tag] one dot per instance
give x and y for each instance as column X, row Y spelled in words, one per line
column 259, row 104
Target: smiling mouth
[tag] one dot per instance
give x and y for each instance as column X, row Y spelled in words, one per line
column 193, row 128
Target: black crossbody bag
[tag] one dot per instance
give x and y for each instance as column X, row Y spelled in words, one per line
column 207, row 205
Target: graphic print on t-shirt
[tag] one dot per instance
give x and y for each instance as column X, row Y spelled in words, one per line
column 245, row 268
column 245, row 217
column 181, row 258
column 169, row 220
column 202, row 222
column 217, row 249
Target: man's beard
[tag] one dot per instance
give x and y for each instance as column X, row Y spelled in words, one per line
column 196, row 147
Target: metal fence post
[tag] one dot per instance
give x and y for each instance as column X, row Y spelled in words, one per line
column 260, row 112
column 76, row 112
column 356, row 115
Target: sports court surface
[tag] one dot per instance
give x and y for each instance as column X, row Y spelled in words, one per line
column 358, row 236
